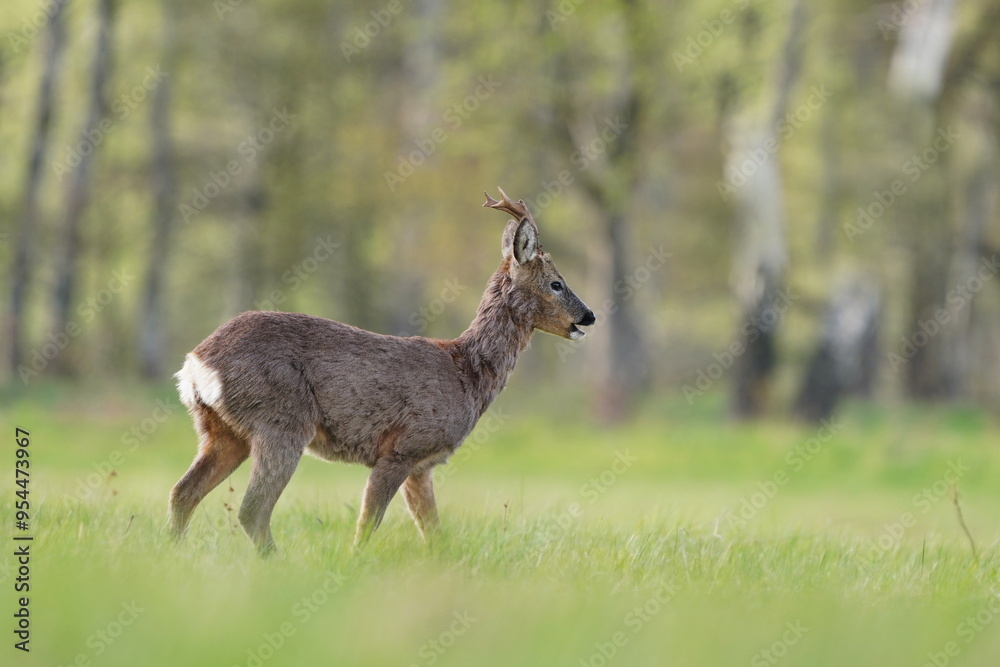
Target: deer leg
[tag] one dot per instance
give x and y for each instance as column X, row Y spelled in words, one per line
column 220, row 452
column 418, row 490
column 275, row 459
column 383, row 482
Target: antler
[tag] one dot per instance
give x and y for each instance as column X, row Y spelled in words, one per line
column 518, row 208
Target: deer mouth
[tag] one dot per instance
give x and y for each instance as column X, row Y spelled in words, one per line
column 575, row 332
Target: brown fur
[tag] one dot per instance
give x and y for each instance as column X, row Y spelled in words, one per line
column 387, row 443
column 220, row 452
column 293, row 383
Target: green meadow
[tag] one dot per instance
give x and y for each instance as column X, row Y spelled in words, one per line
column 678, row 539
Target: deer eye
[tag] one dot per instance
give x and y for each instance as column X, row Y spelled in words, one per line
column 556, row 286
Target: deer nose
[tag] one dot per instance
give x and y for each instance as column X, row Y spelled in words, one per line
column 588, row 319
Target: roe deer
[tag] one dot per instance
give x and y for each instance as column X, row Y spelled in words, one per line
column 271, row 386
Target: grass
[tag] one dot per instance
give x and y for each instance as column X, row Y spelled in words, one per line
column 671, row 540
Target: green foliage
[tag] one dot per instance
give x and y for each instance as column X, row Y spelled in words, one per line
column 389, row 91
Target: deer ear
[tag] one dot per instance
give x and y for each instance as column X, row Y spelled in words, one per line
column 523, row 241
column 507, row 245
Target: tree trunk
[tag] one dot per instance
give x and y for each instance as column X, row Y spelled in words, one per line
column 420, row 73
column 916, row 76
column 55, row 39
column 971, row 367
column 843, row 357
column 832, row 188
column 757, row 335
column 359, row 281
column 761, row 253
column 965, row 90
column 924, row 217
column 626, row 371
column 608, row 182
column 3, row 68
column 152, row 336
column 245, row 275
column 78, row 194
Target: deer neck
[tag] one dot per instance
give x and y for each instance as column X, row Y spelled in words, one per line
column 499, row 333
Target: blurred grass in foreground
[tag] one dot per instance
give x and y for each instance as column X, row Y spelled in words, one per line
column 667, row 541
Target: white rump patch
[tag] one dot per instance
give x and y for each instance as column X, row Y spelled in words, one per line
column 196, row 380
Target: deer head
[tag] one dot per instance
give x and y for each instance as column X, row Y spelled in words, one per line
column 554, row 308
